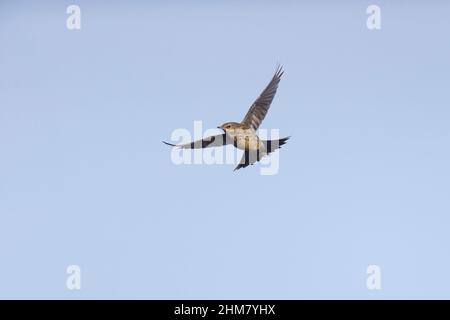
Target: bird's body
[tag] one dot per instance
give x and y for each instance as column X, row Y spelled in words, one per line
column 243, row 134
column 243, row 138
column 248, row 141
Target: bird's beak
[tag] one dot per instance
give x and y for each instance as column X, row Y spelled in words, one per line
column 221, row 129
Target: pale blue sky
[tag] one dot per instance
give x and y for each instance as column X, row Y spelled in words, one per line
column 85, row 179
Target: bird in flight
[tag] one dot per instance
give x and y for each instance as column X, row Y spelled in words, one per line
column 243, row 134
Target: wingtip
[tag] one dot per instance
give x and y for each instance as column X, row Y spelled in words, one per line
column 169, row 144
column 279, row 70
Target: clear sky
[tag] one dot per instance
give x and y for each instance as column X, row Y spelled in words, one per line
column 85, row 179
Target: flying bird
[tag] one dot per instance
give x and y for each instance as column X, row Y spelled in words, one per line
column 243, row 134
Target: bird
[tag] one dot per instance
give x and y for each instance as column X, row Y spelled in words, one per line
column 243, row 134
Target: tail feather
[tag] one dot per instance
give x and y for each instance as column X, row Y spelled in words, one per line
column 272, row 145
column 249, row 158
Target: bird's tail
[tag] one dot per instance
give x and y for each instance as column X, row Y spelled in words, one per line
column 249, row 158
column 272, row 145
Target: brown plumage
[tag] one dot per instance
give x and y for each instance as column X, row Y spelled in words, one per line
column 243, row 135
column 259, row 108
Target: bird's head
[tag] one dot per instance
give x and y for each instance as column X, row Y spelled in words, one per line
column 230, row 126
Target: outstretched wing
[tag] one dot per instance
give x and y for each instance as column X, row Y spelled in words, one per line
column 213, row 141
column 259, row 108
